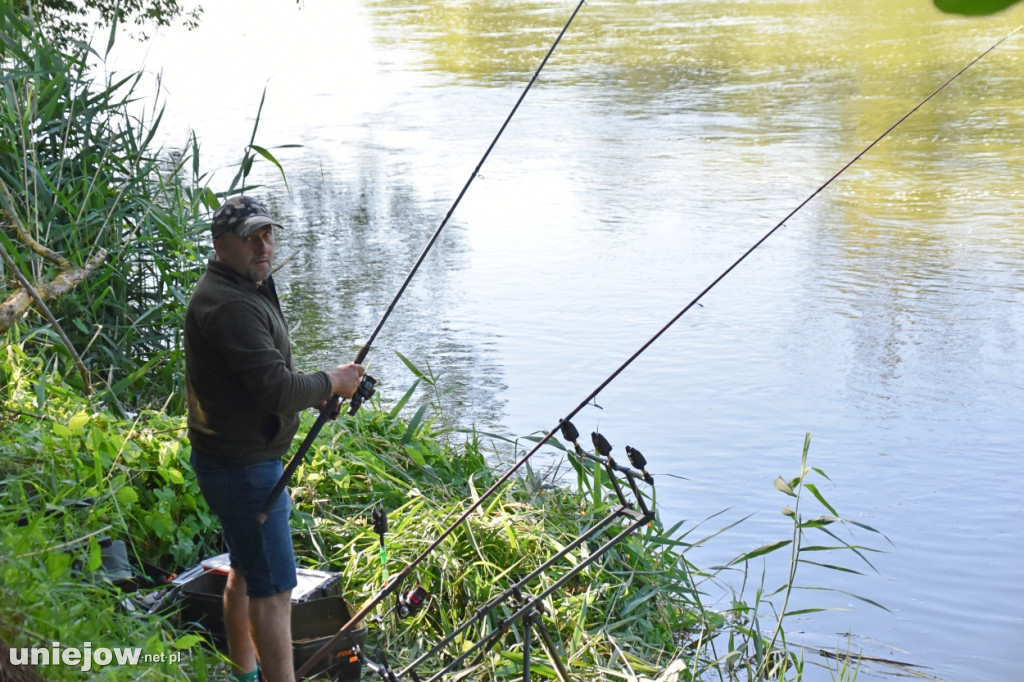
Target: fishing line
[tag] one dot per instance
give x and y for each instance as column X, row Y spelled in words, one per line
column 476, row 172
column 331, row 408
column 391, row 586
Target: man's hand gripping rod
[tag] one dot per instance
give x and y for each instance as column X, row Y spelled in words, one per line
column 391, row 586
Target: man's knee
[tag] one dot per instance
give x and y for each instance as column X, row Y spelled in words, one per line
column 235, row 591
column 275, row 604
column 236, row 582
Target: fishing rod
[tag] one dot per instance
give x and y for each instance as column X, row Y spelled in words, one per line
column 331, row 408
column 528, row 608
column 404, row 573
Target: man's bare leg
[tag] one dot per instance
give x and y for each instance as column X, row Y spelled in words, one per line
column 271, row 621
column 236, row 624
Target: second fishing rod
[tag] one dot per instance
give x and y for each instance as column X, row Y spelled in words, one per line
column 483, row 497
column 366, row 387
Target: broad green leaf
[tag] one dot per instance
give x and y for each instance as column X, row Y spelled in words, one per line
column 412, row 368
column 95, row 554
column 127, row 495
column 831, row 567
column 864, row 599
column 414, row 424
column 820, row 498
column 974, row 7
column 265, row 153
column 57, row 563
column 405, row 399
column 41, row 392
column 78, row 421
column 187, row 641
column 761, row 551
column 416, row 455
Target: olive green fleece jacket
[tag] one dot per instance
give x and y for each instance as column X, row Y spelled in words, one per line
column 244, row 396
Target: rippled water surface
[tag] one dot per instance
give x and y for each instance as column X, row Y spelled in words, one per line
column 661, row 141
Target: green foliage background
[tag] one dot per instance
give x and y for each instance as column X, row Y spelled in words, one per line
column 80, row 177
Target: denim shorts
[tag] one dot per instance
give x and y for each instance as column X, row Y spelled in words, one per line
column 262, row 553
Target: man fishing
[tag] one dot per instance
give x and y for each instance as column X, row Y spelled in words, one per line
column 244, row 398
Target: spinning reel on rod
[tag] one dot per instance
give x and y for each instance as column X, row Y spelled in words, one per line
column 408, row 603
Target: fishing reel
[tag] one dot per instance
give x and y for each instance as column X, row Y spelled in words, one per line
column 411, row 602
column 364, row 392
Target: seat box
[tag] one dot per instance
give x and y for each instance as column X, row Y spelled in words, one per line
column 318, row 612
column 313, row 626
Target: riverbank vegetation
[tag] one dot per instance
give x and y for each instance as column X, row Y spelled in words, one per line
column 75, row 475
column 101, row 236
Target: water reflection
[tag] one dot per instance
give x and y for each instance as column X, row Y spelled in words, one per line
column 350, row 239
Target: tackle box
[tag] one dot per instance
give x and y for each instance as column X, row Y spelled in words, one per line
column 318, row 612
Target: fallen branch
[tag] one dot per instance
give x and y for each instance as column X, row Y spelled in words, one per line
column 61, row 284
column 15, row 307
column 43, row 251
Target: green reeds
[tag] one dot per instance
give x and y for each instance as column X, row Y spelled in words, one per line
column 86, row 195
column 101, row 230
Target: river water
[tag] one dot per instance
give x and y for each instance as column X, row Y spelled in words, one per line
column 661, row 141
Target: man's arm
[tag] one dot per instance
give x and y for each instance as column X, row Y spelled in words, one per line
column 244, row 336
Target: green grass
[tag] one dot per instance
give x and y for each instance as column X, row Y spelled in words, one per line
column 632, row 614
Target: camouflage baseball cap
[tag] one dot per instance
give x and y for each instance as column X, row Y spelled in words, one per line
column 242, row 215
